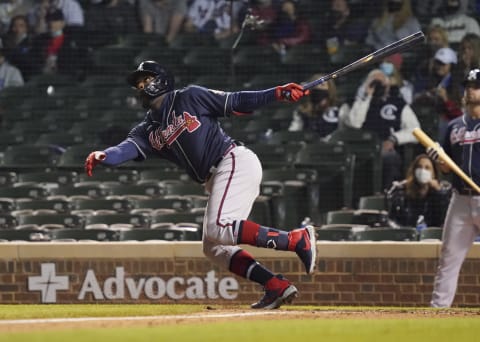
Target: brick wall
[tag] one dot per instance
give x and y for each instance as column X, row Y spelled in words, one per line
column 390, row 274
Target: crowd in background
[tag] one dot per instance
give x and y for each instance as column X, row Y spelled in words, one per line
column 58, row 36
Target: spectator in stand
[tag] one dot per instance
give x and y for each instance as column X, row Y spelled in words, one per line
column 267, row 11
column 468, row 55
column 290, row 28
column 392, row 67
column 59, row 49
column 441, row 91
column 388, row 116
column 421, row 198
column 455, row 21
column 111, row 20
column 10, row 9
column 164, row 17
column 340, row 26
column 17, row 43
column 71, row 9
column 10, row 76
column 436, row 38
column 321, row 112
column 210, row 18
column 397, row 21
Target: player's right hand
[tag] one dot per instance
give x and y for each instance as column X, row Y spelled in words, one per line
column 432, row 152
column 93, row 160
column 291, row 92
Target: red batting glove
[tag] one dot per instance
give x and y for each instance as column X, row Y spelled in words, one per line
column 93, row 160
column 290, row 92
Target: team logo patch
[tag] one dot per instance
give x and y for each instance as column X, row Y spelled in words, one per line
column 388, row 112
column 185, row 122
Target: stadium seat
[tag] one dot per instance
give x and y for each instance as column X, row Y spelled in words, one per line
column 7, row 221
column 91, row 191
column 367, row 148
column 262, row 211
column 65, row 220
column 61, row 139
column 84, row 234
column 333, row 234
column 386, row 234
column 180, row 188
column 170, row 234
column 27, row 156
column 177, row 218
column 74, row 157
column 335, row 166
column 8, row 178
column 144, row 189
column 114, row 59
column 123, row 176
column 24, row 235
column 30, row 192
column 375, row 202
column 159, row 175
column 117, row 205
column 116, row 221
column 275, row 156
column 431, row 233
column 59, row 205
column 197, row 58
column 339, row 216
column 178, row 203
column 61, row 177
column 140, row 40
column 6, row 205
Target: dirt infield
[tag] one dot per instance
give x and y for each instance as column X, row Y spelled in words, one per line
column 224, row 314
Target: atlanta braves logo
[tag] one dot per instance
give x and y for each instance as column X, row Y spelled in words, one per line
column 159, row 138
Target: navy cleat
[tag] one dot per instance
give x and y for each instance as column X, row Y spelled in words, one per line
column 278, row 291
column 303, row 242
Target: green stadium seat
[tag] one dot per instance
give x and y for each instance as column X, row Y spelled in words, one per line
column 375, row 202
column 28, row 191
column 117, row 221
column 7, row 221
column 59, row 205
column 61, row 177
column 24, row 235
column 61, row 220
column 386, row 234
column 170, row 234
column 178, row 203
column 431, row 234
column 84, row 234
column 333, row 234
column 117, row 205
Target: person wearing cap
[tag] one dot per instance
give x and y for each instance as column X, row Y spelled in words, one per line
column 441, row 93
column 461, row 226
column 71, row 9
column 455, row 21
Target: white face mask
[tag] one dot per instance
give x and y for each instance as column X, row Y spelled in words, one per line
column 423, row 176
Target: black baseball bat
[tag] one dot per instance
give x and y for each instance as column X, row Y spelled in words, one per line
column 376, row 56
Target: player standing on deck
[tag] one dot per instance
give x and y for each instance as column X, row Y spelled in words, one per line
column 462, row 223
column 182, row 126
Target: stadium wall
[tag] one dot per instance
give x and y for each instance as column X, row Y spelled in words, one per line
column 349, row 273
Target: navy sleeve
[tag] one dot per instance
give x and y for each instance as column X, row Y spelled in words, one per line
column 247, row 101
column 220, row 103
column 121, row 153
column 138, row 136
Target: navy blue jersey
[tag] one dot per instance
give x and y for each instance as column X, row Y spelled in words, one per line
column 384, row 116
column 462, row 144
column 323, row 124
column 186, row 131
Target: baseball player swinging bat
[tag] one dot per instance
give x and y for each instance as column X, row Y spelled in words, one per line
column 426, row 141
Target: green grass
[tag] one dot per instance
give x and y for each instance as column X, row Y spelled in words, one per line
column 323, row 327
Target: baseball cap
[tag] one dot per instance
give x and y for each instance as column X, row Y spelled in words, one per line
column 446, row 56
column 54, row 15
column 473, row 77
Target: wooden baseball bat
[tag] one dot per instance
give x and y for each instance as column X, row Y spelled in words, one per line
column 426, row 141
column 374, row 57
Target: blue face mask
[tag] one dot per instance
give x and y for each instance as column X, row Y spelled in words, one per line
column 57, row 33
column 387, row 68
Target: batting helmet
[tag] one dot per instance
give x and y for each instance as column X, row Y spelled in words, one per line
column 473, row 77
column 162, row 83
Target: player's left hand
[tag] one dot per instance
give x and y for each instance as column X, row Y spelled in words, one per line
column 93, row 160
column 291, row 92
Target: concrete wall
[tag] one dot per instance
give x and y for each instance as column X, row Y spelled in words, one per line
column 349, row 273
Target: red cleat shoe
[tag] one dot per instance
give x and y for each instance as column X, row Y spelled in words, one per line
column 278, row 291
column 303, row 242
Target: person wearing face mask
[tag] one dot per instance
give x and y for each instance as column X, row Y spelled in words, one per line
column 388, row 116
column 320, row 113
column 420, row 195
column 455, row 21
column 391, row 67
column 59, row 50
column 396, row 21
